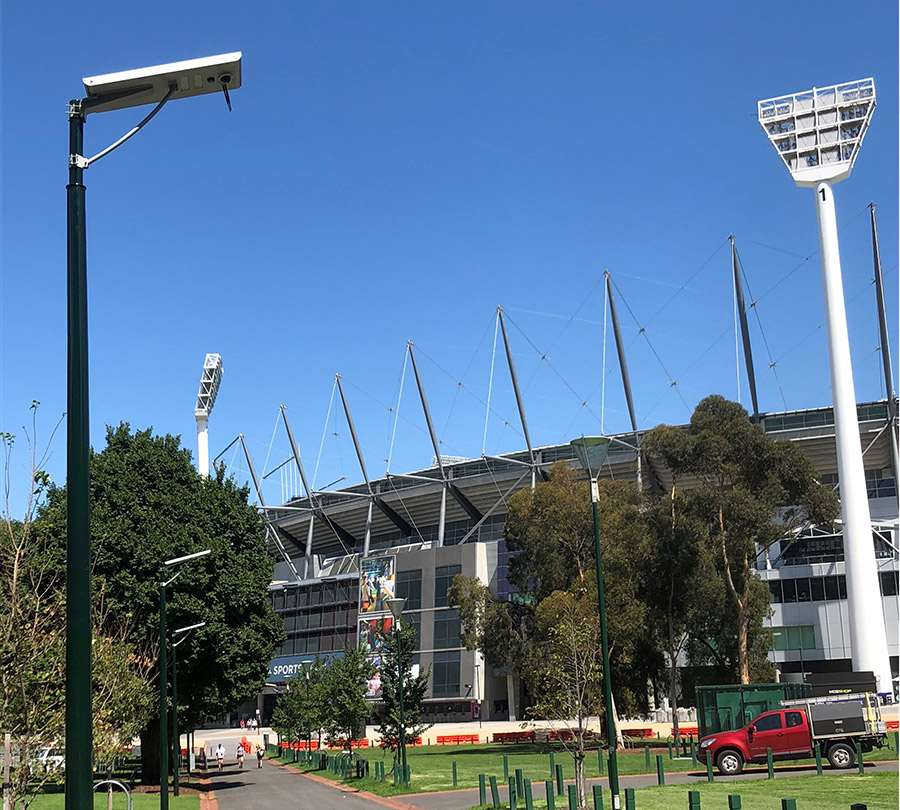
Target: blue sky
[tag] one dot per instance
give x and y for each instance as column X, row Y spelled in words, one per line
column 393, row 171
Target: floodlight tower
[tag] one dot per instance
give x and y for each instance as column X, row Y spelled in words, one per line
column 206, row 398
column 818, row 134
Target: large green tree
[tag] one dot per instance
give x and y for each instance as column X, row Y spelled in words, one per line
column 748, row 490
column 343, row 696
column 300, row 710
column 148, row 504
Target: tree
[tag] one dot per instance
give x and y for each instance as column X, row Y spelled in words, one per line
column 748, row 489
column 397, row 651
column 343, row 695
column 300, row 709
column 148, row 504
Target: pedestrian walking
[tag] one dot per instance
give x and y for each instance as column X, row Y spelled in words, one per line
column 220, row 756
column 240, row 756
column 259, row 756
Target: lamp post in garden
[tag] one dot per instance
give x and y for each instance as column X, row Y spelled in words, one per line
column 307, row 666
column 114, row 91
column 163, row 675
column 591, row 452
column 395, row 606
column 176, row 737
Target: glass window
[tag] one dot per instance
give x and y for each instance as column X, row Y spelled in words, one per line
column 445, row 674
column 842, row 586
column 278, row 600
column 793, row 719
column 775, row 591
column 889, row 583
column 789, row 587
column 409, row 587
column 817, row 589
column 290, row 598
column 415, row 619
column 446, row 629
column 803, row 589
column 443, row 579
column 769, row 722
column 807, row 637
column 831, row 588
column 303, row 598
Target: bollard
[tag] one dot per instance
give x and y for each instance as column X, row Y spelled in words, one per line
column 520, row 782
column 709, row 768
column 573, row 798
column 897, row 741
column 671, row 755
column 859, row 807
column 548, row 791
column 769, row 764
column 559, row 780
column 734, row 801
column 495, row 794
column 505, row 767
column 598, row 797
column 407, row 776
column 453, row 768
column 818, row 760
column 552, row 765
column 600, row 760
column 694, row 800
column 693, row 753
column 660, row 773
column 859, row 759
column 529, row 801
column 647, row 756
column 512, row 793
column 629, row 798
column 788, row 804
column 482, row 793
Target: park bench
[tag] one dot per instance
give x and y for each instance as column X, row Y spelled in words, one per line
column 685, row 731
column 513, row 736
column 638, row 733
column 457, row 739
column 893, row 725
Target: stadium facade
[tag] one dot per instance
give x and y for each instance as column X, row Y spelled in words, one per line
column 423, row 528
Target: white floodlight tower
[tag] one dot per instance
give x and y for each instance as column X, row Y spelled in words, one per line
column 818, row 134
column 206, row 398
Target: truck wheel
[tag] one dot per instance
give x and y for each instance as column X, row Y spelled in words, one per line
column 729, row 762
column 841, row 755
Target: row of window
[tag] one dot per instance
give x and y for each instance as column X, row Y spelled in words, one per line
column 312, row 620
column 341, row 592
column 822, row 589
column 329, row 641
column 800, row 637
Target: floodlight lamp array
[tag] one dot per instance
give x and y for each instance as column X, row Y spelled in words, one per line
column 210, row 381
column 818, row 133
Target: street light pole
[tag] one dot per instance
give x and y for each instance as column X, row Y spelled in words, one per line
column 592, row 453
column 307, row 665
column 176, row 737
column 395, row 605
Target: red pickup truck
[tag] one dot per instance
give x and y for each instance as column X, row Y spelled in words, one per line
column 836, row 724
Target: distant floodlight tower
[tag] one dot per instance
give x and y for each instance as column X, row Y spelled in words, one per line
column 818, row 134
column 206, row 398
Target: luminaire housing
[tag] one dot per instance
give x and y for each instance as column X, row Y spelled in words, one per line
column 149, row 85
column 817, row 133
column 210, row 380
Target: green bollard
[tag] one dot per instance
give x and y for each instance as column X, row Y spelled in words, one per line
column 520, row 782
column 529, row 801
column 859, row 759
column 600, row 760
column 647, row 757
column 660, row 773
column 629, row 798
column 788, row 804
column 505, row 767
column 512, row 793
column 482, row 793
column 769, row 764
column 859, row 807
column 693, row 753
column 407, row 775
column 709, row 768
column 453, row 768
column 573, row 798
column 548, row 791
column 559, row 780
column 818, row 760
column 552, row 765
column 896, row 741
column 734, row 801
column 669, row 741
column 495, row 794
column 694, row 800
column 598, row 797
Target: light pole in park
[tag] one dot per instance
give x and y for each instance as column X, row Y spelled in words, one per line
column 163, row 675
column 114, row 91
column 176, row 736
column 818, row 134
column 307, row 666
column 591, row 452
column 395, row 606
column 210, row 381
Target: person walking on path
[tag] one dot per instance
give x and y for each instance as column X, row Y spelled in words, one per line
column 240, row 756
column 220, row 756
column 259, row 756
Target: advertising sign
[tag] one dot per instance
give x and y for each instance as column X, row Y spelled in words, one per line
column 376, row 584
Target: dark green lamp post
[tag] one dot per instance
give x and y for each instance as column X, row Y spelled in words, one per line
column 591, row 452
column 113, row 91
column 395, row 606
column 307, row 666
column 176, row 737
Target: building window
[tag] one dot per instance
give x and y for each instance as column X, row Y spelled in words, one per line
column 415, row 619
column 443, row 579
column 889, row 583
column 445, row 675
column 801, row 637
column 446, row 629
column 409, row 587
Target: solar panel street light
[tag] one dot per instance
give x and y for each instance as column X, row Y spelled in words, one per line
column 818, row 134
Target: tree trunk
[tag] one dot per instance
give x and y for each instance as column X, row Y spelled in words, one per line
column 673, row 677
column 150, row 753
column 580, row 781
column 743, row 657
column 620, row 743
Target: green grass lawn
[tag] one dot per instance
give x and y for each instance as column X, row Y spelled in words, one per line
column 878, row 791
column 431, row 767
column 142, row 801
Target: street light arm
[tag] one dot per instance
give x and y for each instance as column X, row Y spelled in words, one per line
column 85, row 162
